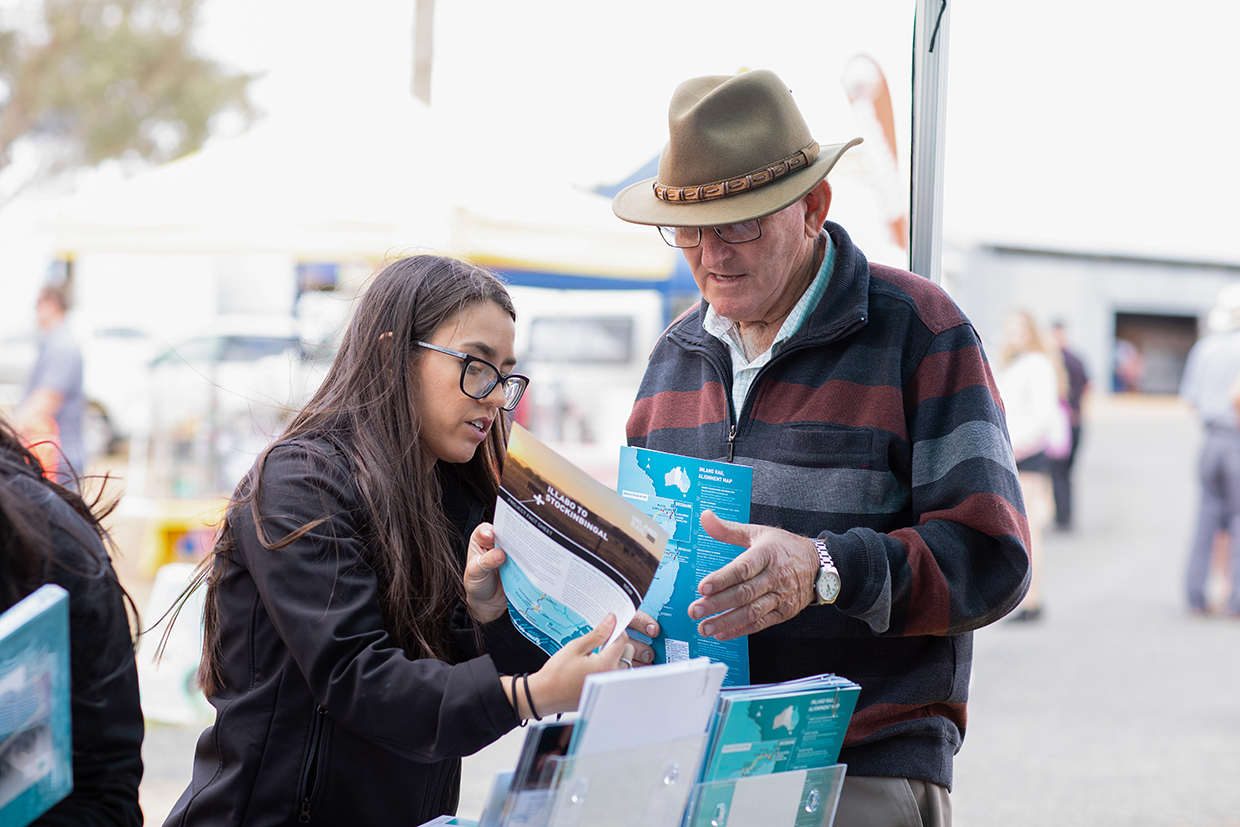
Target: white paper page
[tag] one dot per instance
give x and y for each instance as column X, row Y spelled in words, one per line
column 647, row 705
column 558, row 573
column 762, row 800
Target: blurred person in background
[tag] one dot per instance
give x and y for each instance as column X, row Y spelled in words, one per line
column 357, row 639
column 861, row 397
column 1128, row 367
column 1031, row 382
column 1061, row 467
column 1211, row 384
column 49, row 417
column 48, row 534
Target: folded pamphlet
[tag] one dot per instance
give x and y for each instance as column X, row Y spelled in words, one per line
column 673, row 491
column 576, row 550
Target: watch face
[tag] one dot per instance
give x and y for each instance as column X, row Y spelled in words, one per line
column 828, row 586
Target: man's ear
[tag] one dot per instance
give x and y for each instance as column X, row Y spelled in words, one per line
column 817, row 204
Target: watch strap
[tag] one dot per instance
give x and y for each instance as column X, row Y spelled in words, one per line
column 824, row 554
column 825, row 564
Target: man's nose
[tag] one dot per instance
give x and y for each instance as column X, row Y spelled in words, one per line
column 714, row 248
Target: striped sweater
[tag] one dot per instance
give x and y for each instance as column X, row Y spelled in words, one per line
column 877, row 427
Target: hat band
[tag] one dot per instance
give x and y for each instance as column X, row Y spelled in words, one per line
column 743, row 183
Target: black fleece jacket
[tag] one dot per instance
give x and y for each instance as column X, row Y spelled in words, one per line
column 324, row 720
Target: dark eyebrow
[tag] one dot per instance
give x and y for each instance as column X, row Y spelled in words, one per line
column 486, row 351
column 482, row 348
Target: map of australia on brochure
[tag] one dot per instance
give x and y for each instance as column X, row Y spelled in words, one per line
column 674, row 490
column 575, row 549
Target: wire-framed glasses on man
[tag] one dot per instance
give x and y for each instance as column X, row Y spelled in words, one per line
column 686, row 237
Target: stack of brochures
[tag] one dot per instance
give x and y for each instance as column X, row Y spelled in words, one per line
column 795, row 725
column 36, row 749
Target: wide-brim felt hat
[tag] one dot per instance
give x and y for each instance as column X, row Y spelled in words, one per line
column 738, row 149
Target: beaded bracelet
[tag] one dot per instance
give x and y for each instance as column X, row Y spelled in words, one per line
column 529, row 697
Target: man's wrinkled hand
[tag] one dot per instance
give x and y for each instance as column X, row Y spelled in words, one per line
column 768, row 583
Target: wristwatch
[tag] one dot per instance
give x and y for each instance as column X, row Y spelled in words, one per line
column 827, row 583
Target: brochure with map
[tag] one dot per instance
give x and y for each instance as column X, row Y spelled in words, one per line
column 36, row 748
column 575, row 549
column 795, row 725
column 674, row 491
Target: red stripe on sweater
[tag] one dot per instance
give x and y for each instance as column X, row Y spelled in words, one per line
column 934, row 308
column 986, row 512
column 943, row 374
column 679, row 409
column 845, row 403
column 930, row 604
column 877, row 717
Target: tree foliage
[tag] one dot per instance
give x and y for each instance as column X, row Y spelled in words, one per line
column 111, row 78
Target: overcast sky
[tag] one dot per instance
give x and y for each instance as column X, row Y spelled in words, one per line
column 1106, row 126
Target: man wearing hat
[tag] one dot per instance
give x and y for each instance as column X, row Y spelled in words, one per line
column 887, row 516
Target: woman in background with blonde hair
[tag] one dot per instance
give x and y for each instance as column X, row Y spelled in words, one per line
column 1031, row 382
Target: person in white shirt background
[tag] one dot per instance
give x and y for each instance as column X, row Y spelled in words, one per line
column 1031, row 382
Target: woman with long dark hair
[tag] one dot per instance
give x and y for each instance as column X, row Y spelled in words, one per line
column 48, row 534
column 355, row 648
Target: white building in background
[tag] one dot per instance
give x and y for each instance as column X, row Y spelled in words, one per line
column 1159, row 305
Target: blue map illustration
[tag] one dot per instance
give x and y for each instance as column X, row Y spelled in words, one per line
column 761, row 740
column 667, row 488
column 546, row 621
column 674, row 516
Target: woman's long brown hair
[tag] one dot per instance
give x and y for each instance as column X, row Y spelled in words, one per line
column 365, row 406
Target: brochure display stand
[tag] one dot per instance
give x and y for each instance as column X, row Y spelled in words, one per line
column 644, row 787
column 752, row 756
column 636, row 787
column 796, row 798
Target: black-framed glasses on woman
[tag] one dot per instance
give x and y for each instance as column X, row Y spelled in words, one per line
column 479, row 377
column 687, row 237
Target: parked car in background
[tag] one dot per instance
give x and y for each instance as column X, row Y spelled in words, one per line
column 114, row 368
column 203, row 403
column 220, row 394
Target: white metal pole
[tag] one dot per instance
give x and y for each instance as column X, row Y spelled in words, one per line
column 929, row 122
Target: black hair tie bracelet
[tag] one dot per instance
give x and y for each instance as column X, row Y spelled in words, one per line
column 516, row 710
column 530, row 698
